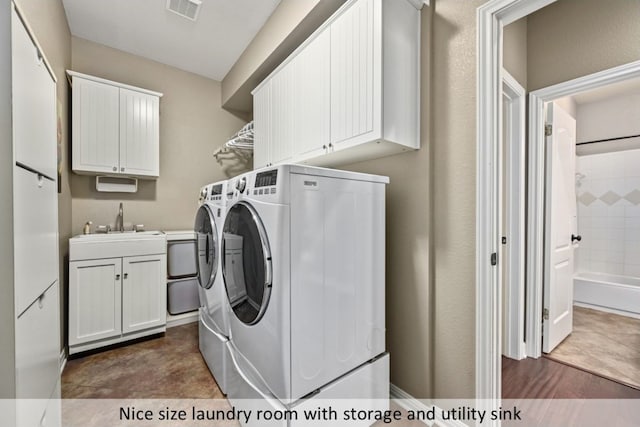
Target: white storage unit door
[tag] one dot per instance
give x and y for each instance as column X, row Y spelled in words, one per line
column 34, row 106
column 36, row 236
column 37, row 356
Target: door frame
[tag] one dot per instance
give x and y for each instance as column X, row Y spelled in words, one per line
column 514, row 231
column 491, row 18
column 536, row 164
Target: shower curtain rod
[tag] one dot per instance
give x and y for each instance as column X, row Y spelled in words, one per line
column 609, row 139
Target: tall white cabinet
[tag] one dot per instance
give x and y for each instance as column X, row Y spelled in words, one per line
column 36, row 294
column 116, row 128
column 350, row 92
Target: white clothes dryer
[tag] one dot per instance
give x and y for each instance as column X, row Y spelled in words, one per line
column 303, row 264
column 214, row 313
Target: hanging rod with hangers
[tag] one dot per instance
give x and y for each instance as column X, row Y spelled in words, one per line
column 241, row 142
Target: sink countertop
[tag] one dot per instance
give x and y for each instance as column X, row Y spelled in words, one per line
column 116, row 245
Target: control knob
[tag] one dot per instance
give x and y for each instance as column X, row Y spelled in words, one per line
column 241, row 184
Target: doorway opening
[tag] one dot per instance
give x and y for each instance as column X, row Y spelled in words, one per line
column 597, row 221
column 491, row 18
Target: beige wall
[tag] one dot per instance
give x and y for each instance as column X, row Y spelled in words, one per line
column 409, row 294
column 573, row 38
column 49, row 23
column 431, row 218
column 192, row 126
column 514, row 54
column 290, row 23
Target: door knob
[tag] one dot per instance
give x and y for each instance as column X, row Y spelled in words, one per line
column 575, row 238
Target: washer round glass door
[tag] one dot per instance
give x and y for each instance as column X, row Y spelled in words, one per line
column 246, row 263
column 206, row 246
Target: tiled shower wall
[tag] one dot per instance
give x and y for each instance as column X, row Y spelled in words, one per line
column 608, row 192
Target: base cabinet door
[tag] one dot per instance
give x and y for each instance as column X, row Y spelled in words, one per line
column 144, row 303
column 94, row 300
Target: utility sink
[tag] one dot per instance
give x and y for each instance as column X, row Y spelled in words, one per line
column 119, row 235
column 116, row 244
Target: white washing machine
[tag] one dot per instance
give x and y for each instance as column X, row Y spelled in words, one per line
column 214, row 313
column 303, row 263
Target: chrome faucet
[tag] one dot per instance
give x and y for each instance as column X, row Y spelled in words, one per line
column 121, row 218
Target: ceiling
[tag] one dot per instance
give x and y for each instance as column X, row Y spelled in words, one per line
column 625, row 87
column 208, row 47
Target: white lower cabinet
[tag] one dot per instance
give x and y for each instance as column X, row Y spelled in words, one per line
column 115, row 299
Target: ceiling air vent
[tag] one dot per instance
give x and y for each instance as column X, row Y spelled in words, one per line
column 186, row 8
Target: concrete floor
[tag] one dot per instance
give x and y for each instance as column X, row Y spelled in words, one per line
column 167, row 371
column 168, row 367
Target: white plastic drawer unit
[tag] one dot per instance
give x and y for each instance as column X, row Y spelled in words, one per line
column 181, row 258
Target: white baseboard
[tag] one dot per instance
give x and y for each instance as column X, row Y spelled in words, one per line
column 181, row 319
column 410, row 403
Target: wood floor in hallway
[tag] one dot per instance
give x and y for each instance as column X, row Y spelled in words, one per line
column 544, row 378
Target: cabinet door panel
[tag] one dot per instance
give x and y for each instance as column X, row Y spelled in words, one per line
column 36, row 235
column 95, row 127
column 139, row 133
column 33, row 104
column 38, row 347
column 94, row 300
column 262, row 126
column 37, row 356
column 144, row 296
column 283, row 114
column 353, row 80
column 311, row 97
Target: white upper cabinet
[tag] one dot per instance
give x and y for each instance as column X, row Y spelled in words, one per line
column 349, row 93
column 116, row 128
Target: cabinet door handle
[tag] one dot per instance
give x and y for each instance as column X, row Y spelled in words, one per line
column 115, row 169
column 324, row 147
column 117, row 277
column 126, row 275
column 121, row 169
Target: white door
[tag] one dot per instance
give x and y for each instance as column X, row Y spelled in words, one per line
column 94, row 300
column 95, row 127
column 144, row 294
column 139, row 133
column 311, row 102
column 560, row 228
column 355, row 81
column 283, row 115
column 34, row 104
column 262, row 126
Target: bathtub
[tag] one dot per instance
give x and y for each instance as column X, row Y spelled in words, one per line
column 617, row 294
